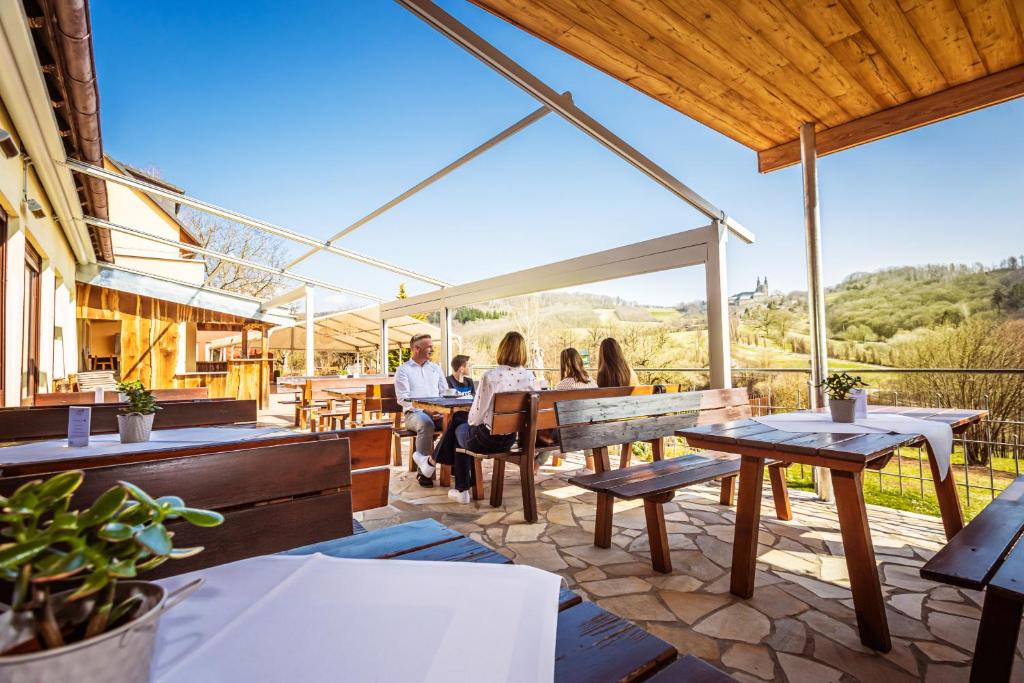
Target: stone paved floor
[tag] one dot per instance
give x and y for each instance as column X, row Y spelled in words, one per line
column 798, row 627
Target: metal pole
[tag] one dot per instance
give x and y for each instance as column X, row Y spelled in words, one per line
column 206, row 207
column 815, row 288
column 562, row 105
column 383, row 370
column 283, row 272
column 310, row 334
column 519, row 125
column 446, row 338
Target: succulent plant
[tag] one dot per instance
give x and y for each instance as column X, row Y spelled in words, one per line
column 43, row 541
column 140, row 399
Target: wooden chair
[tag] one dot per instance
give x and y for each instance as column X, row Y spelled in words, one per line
column 20, row 424
column 987, row 555
column 382, row 399
column 273, row 497
column 600, row 422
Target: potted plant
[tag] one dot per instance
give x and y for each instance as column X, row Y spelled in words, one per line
column 135, row 422
column 75, row 612
column 841, row 405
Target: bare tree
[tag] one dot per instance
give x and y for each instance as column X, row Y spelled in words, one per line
column 242, row 242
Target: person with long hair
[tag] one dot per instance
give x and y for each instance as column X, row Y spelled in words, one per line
column 573, row 374
column 472, row 431
column 612, row 368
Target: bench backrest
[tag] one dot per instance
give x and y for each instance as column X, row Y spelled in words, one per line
column 512, row 409
column 21, row 424
column 600, row 422
column 382, row 398
column 79, row 398
column 273, row 497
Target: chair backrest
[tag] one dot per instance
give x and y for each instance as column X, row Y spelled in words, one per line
column 273, row 497
column 382, row 398
column 90, row 381
column 512, row 409
column 599, row 422
column 52, row 422
column 81, row 398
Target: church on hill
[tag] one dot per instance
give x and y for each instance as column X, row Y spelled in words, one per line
column 759, row 293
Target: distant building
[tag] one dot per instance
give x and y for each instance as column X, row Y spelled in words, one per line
column 759, row 293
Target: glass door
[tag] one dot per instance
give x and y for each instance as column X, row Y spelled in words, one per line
column 30, row 329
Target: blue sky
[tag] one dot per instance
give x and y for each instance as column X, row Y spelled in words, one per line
column 309, row 115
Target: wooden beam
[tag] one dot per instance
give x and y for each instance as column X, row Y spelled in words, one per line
column 961, row 99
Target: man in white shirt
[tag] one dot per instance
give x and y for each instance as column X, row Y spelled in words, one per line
column 418, row 377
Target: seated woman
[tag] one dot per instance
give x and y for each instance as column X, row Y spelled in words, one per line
column 460, row 380
column 612, row 368
column 574, row 376
column 472, row 431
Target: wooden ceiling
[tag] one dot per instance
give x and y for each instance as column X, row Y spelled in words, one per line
column 755, row 70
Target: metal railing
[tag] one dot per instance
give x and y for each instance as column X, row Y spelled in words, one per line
column 998, row 438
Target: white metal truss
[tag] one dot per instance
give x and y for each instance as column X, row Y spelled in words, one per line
column 519, row 125
column 283, row 272
column 562, row 105
column 149, row 188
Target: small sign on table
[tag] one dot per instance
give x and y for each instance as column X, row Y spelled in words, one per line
column 79, row 423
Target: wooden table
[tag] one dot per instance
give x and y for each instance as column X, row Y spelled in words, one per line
column 846, row 456
column 592, row 644
column 53, row 455
column 447, row 406
column 354, row 396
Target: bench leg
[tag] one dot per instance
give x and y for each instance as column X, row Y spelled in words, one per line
column 478, row 479
column 625, row 455
column 603, row 525
column 590, row 459
column 444, row 477
column 497, row 482
column 529, row 491
column 412, row 447
column 728, row 494
column 658, row 449
column 780, row 493
column 657, row 533
column 997, row 639
column 396, row 450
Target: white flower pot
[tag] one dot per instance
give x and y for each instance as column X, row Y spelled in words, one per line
column 843, row 410
column 134, row 427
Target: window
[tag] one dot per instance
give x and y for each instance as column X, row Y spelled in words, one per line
column 30, row 328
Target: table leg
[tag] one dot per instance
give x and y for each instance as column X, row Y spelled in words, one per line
column 445, row 476
column 949, row 499
column 353, row 407
column 748, row 519
column 860, row 560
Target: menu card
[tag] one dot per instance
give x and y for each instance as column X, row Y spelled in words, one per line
column 79, row 423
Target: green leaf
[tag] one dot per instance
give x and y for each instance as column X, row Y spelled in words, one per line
column 150, row 563
column 155, row 539
column 62, row 484
column 68, row 565
column 201, row 517
column 170, row 502
column 64, row 520
column 94, row 582
column 139, row 495
column 104, row 507
column 14, row 554
column 134, row 513
column 115, row 532
column 121, row 610
column 122, row 569
column 182, row 553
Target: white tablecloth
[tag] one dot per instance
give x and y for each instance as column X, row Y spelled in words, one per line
column 318, row 618
column 110, row 444
column 938, row 434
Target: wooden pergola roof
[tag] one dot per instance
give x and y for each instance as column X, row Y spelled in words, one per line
column 755, row 70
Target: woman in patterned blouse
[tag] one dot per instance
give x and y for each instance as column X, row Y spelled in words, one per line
column 574, row 376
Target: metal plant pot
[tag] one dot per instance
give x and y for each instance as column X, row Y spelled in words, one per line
column 134, row 427
column 843, row 410
column 119, row 656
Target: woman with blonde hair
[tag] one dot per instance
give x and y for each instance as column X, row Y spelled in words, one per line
column 612, row 368
column 573, row 374
column 473, row 431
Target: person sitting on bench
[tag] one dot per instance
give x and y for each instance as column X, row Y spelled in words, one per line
column 418, row 377
column 574, row 375
column 473, row 431
column 460, row 380
column 612, row 368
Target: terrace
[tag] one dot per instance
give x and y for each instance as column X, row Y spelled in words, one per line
column 114, row 286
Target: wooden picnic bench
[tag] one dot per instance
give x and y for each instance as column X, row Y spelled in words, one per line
column 597, row 423
column 592, row 645
column 987, row 555
column 79, row 398
column 51, row 422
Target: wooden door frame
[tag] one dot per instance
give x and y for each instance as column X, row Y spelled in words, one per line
column 30, row 337
column 3, row 302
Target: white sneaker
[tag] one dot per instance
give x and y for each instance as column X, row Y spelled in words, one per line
column 423, row 464
column 463, row 497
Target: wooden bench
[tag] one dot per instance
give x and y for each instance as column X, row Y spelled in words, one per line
column 79, row 398
column 19, row 424
column 987, row 555
column 382, row 398
column 600, row 422
column 273, row 497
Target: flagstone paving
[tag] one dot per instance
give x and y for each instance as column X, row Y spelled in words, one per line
column 800, row 624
